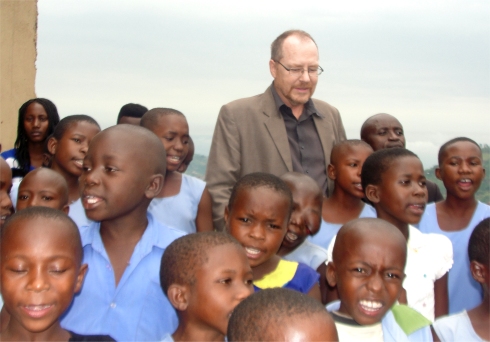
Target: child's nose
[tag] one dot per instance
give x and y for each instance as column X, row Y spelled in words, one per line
column 244, row 291
column 37, row 280
column 375, row 282
column 5, row 201
column 257, row 231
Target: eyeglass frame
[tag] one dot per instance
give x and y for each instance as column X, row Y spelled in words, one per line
column 320, row 69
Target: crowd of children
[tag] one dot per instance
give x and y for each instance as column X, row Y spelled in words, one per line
column 110, row 240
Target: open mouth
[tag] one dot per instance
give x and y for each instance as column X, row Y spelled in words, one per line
column 370, row 307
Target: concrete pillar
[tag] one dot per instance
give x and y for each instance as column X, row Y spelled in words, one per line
column 18, row 37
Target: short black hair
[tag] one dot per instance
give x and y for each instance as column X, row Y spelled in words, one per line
column 185, row 255
column 68, row 121
column 259, row 316
column 339, row 147
column 261, row 180
column 52, row 175
column 132, row 110
column 22, row 143
column 444, row 147
column 478, row 245
column 379, row 162
column 48, row 213
column 151, row 117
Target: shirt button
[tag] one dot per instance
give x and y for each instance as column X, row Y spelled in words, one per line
column 113, row 305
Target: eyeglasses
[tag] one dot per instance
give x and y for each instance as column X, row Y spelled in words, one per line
column 312, row 72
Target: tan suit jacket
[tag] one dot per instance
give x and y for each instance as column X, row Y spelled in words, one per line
column 250, row 136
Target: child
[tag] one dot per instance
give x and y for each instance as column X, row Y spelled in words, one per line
column 346, row 203
column 394, row 181
column 37, row 119
column 184, row 202
column 368, row 260
column 204, row 276
column 121, row 295
column 41, row 265
column 43, row 187
column 472, row 325
column 188, row 158
column 131, row 114
column 305, row 221
column 461, row 170
column 385, row 131
column 281, row 315
column 68, row 146
column 6, row 207
column 257, row 216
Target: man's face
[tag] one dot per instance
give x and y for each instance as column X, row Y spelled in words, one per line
column 385, row 131
column 297, row 53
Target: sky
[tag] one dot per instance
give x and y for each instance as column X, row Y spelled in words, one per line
column 425, row 62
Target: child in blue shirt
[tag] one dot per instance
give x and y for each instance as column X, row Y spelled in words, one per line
column 121, row 295
column 204, row 276
column 461, row 170
column 472, row 325
column 367, row 268
column 257, row 216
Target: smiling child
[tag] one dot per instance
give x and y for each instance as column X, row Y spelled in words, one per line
column 461, row 170
column 6, row 207
column 41, row 267
column 258, row 217
column 184, row 202
column 367, row 268
column 205, row 276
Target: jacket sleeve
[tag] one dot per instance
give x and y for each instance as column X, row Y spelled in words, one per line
column 224, row 164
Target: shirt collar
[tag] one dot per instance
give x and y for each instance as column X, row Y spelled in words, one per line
column 309, row 106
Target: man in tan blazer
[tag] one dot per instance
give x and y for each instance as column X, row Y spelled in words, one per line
column 281, row 130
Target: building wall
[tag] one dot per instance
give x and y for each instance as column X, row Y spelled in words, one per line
column 18, row 36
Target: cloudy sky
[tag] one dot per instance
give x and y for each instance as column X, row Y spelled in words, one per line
column 426, row 62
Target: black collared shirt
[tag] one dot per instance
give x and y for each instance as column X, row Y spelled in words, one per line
column 304, row 142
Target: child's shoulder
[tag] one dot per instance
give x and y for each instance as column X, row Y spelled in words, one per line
column 455, row 327
column 289, row 274
column 309, row 254
column 403, row 322
column 431, row 246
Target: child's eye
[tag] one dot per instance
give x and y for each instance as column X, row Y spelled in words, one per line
column 23, row 197
column 78, row 141
column 274, row 226
column 423, row 183
column 47, row 198
column 57, row 271
column 353, row 165
column 18, row 269
column 110, row 169
column 359, row 270
column 244, row 219
column 249, row 282
column 226, row 281
column 392, row 275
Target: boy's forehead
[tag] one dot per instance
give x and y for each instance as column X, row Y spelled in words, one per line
column 466, row 147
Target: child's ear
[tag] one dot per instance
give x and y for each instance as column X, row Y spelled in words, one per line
column 331, row 172
column 81, row 275
column 478, row 271
column 155, row 185
column 438, row 173
column 66, row 209
column 178, row 296
column 52, row 145
column 372, row 193
column 331, row 274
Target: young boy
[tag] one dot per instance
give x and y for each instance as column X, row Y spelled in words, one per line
column 346, row 203
column 43, row 187
column 394, row 181
column 305, row 221
column 368, row 269
column 257, row 216
column 281, row 315
column 472, row 325
column 121, row 295
column 204, row 276
column 6, row 207
column 41, row 266
column 385, row 131
column 461, row 170
column 131, row 114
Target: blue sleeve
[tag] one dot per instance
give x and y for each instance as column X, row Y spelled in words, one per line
column 304, row 279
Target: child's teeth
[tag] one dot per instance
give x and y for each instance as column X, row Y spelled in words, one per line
column 292, row 236
column 92, row 200
column 37, row 307
column 465, row 181
column 370, row 304
column 252, row 250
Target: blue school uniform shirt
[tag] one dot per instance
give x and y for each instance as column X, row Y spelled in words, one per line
column 308, row 254
column 135, row 310
column 392, row 331
column 464, row 292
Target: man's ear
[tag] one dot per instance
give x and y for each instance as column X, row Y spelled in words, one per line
column 155, row 185
column 52, row 145
column 66, row 209
column 478, row 271
column 331, row 274
column 331, row 172
column 80, row 277
column 272, row 68
column 178, row 296
column 372, row 193
column 438, row 173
